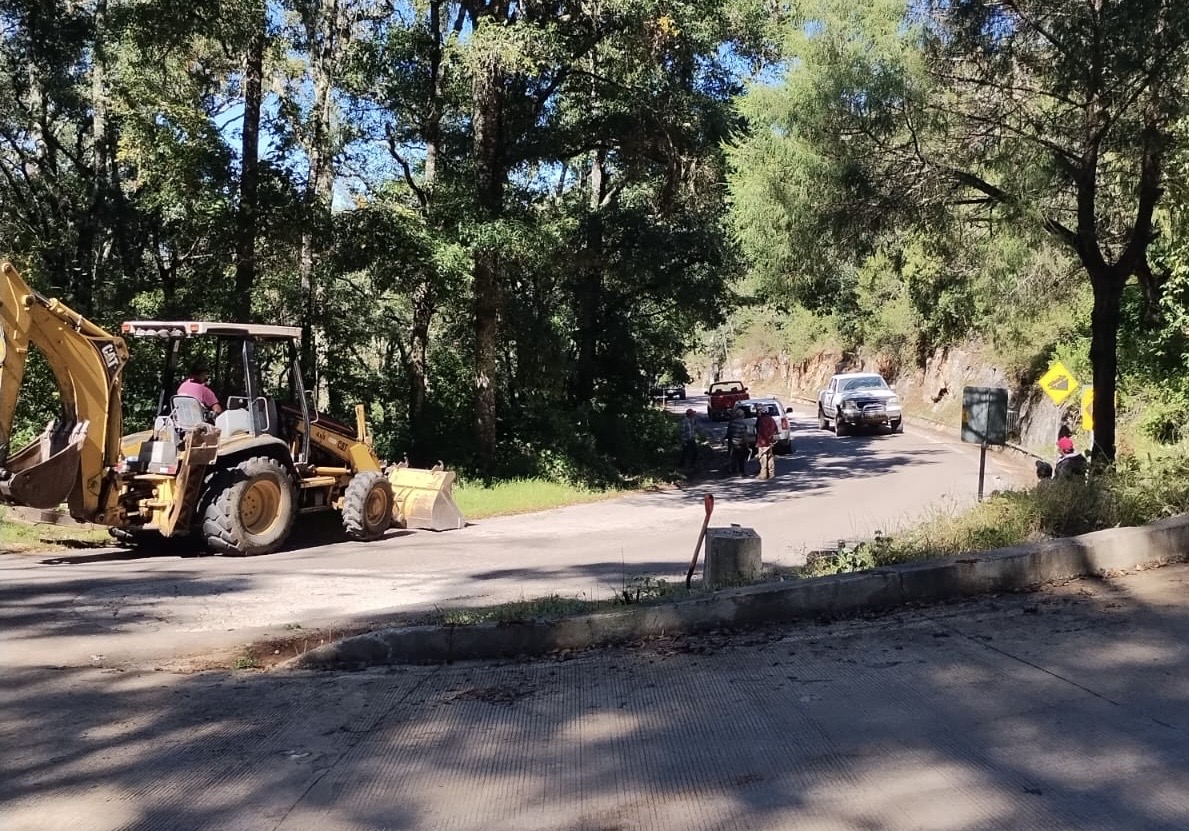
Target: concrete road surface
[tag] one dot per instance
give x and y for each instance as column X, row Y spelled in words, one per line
column 1067, row 709
column 116, row 607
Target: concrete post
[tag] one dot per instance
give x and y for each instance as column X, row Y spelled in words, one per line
column 732, row 556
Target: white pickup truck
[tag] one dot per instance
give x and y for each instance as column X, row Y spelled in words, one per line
column 858, row 399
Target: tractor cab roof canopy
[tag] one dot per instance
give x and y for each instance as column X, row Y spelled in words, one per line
column 175, row 329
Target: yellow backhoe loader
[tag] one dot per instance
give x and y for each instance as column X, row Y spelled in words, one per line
column 236, row 475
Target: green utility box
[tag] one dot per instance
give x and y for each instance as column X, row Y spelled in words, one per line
column 984, row 415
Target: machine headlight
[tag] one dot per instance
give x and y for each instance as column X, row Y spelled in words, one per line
column 893, row 403
column 849, row 406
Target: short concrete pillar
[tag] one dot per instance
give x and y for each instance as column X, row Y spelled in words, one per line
column 732, row 556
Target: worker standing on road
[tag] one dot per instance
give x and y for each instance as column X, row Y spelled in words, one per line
column 689, row 439
column 765, row 434
column 737, row 450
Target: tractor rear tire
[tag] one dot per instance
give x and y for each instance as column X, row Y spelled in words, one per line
column 367, row 506
column 251, row 508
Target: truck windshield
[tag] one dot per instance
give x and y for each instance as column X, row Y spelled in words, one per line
column 872, row 383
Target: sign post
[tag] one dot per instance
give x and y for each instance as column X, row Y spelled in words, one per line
column 984, row 422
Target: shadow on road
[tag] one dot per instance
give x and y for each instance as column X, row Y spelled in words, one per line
column 1057, row 710
column 311, row 531
column 819, row 461
column 96, row 605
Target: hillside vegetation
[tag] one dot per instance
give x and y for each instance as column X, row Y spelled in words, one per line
column 1006, row 178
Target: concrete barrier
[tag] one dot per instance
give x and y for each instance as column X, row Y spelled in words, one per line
column 1101, row 553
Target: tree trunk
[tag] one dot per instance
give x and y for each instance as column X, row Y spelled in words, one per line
column 590, row 287
column 245, row 244
column 487, row 92
column 319, row 189
column 424, row 300
column 1104, row 340
column 89, row 235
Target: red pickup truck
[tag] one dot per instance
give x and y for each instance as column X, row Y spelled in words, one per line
column 723, row 397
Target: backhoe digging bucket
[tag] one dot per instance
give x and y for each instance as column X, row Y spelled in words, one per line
column 424, row 500
column 43, row 473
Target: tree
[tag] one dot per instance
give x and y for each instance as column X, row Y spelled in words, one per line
column 247, row 211
column 1091, row 91
column 1056, row 114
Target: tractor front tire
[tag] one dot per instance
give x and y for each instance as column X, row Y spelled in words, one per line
column 367, row 506
column 251, row 508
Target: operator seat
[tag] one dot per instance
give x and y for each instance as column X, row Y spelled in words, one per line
column 267, row 420
column 187, row 411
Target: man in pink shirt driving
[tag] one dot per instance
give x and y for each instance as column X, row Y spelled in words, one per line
column 195, row 386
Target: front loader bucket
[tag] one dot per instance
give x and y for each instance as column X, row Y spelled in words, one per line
column 424, row 500
column 43, row 473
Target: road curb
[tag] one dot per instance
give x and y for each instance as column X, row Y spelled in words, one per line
column 1007, row 569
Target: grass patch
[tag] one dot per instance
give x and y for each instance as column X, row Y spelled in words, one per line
column 642, row 591
column 1136, row 492
column 17, row 535
column 521, row 496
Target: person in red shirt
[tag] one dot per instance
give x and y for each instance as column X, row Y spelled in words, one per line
column 766, row 430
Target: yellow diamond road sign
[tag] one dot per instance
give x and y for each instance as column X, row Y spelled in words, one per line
column 1058, row 383
column 1088, row 407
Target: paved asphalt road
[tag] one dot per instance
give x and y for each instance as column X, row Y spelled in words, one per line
column 1067, row 709
column 105, row 608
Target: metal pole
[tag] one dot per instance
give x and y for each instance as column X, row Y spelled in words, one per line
column 982, row 469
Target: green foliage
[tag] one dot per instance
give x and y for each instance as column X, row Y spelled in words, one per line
column 758, row 331
column 807, row 192
column 18, row 536
column 643, row 590
column 1135, row 492
column 952, row 139
column 594, row 448
column 647, row 589
column 518, row 496
column 125, row 194
column 550, row 607
column 849, row 556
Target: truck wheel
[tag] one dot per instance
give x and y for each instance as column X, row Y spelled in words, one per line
column 367, row 506
column 841, row 428
column 822, row 424
column 251, row 508
column 898, row 426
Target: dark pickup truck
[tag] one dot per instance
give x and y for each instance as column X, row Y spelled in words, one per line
column 724, row 395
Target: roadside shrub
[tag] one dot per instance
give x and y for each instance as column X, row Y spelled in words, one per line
column 849, row 556
column 590, row 448
column 1165, row 415
column 1135, row 492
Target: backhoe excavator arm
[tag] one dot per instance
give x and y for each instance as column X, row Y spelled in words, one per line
column 73, row 458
